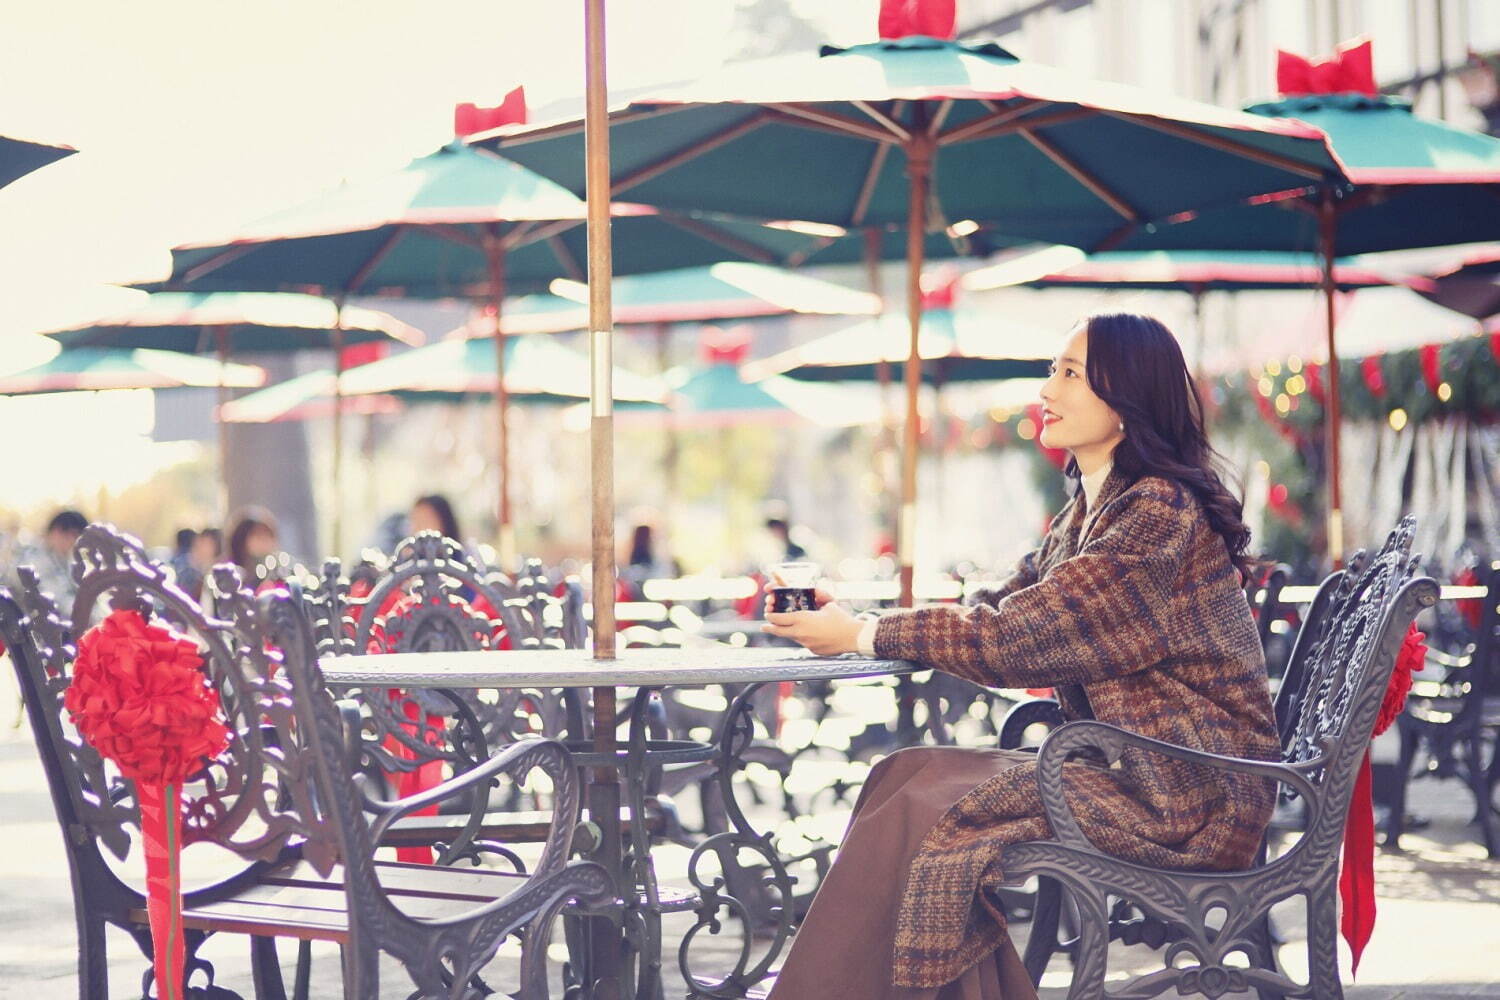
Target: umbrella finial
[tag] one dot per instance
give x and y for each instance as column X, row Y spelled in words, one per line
column 900, row 18
column 940, row 288
column 470, row 118
column 725, row 347
column 1349, row 70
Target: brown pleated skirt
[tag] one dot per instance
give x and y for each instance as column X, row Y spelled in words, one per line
column 843, row 949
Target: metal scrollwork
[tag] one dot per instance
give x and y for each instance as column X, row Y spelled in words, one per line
column 757, row 894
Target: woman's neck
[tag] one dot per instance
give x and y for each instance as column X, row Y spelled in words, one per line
column 1091, row 460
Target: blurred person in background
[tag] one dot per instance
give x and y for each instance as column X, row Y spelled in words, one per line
column 252, row 540
column 53, row 559
column 645, row 562
column 434, row 513
column 206, row 549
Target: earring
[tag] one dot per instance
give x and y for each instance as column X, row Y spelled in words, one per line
column 1122, row 427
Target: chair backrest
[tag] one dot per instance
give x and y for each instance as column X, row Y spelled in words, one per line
column 433, row 597
column 248, row 800
column 1293, row 679
column 1347, row 669
column 1263, row 593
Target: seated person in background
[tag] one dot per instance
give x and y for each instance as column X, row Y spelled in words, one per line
column 1133, row 609
column 252, row 539
column 434, row 513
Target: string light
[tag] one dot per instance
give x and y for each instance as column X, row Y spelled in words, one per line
column 1265, row 385
column 1398, row 419
column 1283, row 403
column 1294, row 364
column 1273, row 368
column 1445, row 391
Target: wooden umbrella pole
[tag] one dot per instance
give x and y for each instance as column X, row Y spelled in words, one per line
column 338, row 427
column 885, row 442
column 1327, row 225
column 919, row 152
column 494, row 253
column 221, row 339
column 604, row 783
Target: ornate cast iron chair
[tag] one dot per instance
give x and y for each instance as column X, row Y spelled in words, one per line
column 279, row 802
column 1210, row 918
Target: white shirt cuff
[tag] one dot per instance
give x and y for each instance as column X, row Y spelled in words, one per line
column 866, row 641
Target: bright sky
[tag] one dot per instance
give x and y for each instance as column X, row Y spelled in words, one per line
column 191, row 117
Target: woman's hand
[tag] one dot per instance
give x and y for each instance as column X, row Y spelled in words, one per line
column 828, row 631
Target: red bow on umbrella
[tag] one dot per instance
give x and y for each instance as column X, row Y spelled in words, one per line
column 900, row 18
column 1349, row 70
column 725, row 347
column 470, row 118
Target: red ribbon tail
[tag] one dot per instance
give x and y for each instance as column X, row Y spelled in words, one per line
column 161, row 836
column 1357, row 878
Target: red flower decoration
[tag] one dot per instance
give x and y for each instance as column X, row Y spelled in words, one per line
column 1314, row 375
column 1413, row 657
column 139, row 696
column 1432, row 372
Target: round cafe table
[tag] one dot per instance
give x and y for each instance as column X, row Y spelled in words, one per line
column 635, row 920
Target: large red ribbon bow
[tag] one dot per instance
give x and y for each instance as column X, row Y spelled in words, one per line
column 1349, row 70
column 140, row 698
column 1357, row 878
column 471, row 118
column 900, row 18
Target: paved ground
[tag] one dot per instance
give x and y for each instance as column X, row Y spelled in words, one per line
column 1438, row 935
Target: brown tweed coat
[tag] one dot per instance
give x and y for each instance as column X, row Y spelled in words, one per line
column 1134, row 612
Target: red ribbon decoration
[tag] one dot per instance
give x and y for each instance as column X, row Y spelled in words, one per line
column 1314, row 376
column 725, row 347
column 140, row 698
column 400, row 605
column 1369, row 369
column 1432, row 372
column 470, row 118
column 1495, row 346
column 1349, row 70
column 901, row 18
column 1357, row 877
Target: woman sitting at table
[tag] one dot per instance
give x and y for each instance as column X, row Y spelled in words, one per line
column 1132, row 609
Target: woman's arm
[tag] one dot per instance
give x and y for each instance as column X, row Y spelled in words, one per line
column 1102, row 613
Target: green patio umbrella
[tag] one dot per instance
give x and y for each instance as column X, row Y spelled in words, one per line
column 1195, row 272
column 955, row 346
column 925, row 134
column 1471, row 287
column 1411, row 182
column 19, row 157
column 461, row 222
column 305, row 397
column 96, row 369
column 538, row 370
column 225, row 322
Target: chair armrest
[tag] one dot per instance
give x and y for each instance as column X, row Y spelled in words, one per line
column 516, row 761
column 1111, row 741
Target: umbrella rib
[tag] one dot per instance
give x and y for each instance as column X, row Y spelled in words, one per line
column 565, row 258
column 544, row 233
column 714, row 235
column 217, row 261
column 518, row 234
column 885, row 121
column 1082, row 176
column 838, row 123
column 672, row 160
column 940, row 116
column 1059, row 117
column 455, row 235
column 369, row 266
column 867, row 189
column 573, row 127
column 1000, row 116
column 1219, row 142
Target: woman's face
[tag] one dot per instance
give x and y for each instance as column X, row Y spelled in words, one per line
column 1073, row 417
column 424, row 518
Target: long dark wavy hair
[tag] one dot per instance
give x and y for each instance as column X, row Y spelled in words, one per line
column 1136, row 366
